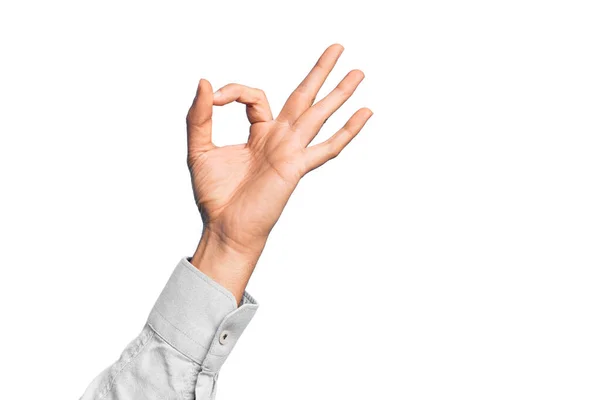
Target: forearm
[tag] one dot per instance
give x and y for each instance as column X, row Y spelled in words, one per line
column 229, row 263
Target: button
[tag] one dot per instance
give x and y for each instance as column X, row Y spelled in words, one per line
column 223, row 337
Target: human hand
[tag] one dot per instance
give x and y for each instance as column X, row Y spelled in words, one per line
column 241, row 190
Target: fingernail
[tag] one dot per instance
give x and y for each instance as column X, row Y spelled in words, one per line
column 217, row 93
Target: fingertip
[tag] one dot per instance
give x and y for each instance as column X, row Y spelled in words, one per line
column 359, row 73
column 205, row 85
column 337, row 47
column 367, row 112
column 204, row 98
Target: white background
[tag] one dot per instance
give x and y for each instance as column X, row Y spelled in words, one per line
column 452, row 251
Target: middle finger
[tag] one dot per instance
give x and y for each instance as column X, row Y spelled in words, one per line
column 305, row 94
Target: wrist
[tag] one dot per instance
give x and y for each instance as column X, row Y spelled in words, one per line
column 226, row 263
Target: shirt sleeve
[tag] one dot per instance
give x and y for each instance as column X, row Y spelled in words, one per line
column 192, row 328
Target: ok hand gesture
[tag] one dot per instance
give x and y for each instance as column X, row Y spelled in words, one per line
column 241, row 190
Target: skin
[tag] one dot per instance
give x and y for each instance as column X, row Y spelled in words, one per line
column 241, row 190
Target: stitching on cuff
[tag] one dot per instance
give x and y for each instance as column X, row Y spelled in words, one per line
column 195, row 362
column 179, row 330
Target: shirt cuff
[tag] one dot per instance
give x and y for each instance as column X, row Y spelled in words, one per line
column 199, row 317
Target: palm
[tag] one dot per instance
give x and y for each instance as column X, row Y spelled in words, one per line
column 242, row 189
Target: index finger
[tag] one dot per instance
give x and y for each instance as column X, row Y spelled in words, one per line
column 257, row 105
column 304, row 95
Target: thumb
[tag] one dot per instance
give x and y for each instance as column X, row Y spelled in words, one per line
column 199, row 118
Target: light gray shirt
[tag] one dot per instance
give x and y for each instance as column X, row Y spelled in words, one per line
column 192, row 328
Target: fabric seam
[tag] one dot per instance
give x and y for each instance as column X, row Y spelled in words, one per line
column 135, row 353
column 171, row 344
column 179, row 330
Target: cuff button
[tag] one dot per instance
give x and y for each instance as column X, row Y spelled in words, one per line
column 223, row 337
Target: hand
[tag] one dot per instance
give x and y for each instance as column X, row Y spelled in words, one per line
column 241, row 190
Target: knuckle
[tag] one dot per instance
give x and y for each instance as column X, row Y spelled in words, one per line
column 260, row 94
column 343, row 91
column 332, row 150
column 320, row 65
column 345, row 132
column 302, row 88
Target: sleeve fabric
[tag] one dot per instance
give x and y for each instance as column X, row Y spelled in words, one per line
column 192, row 328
